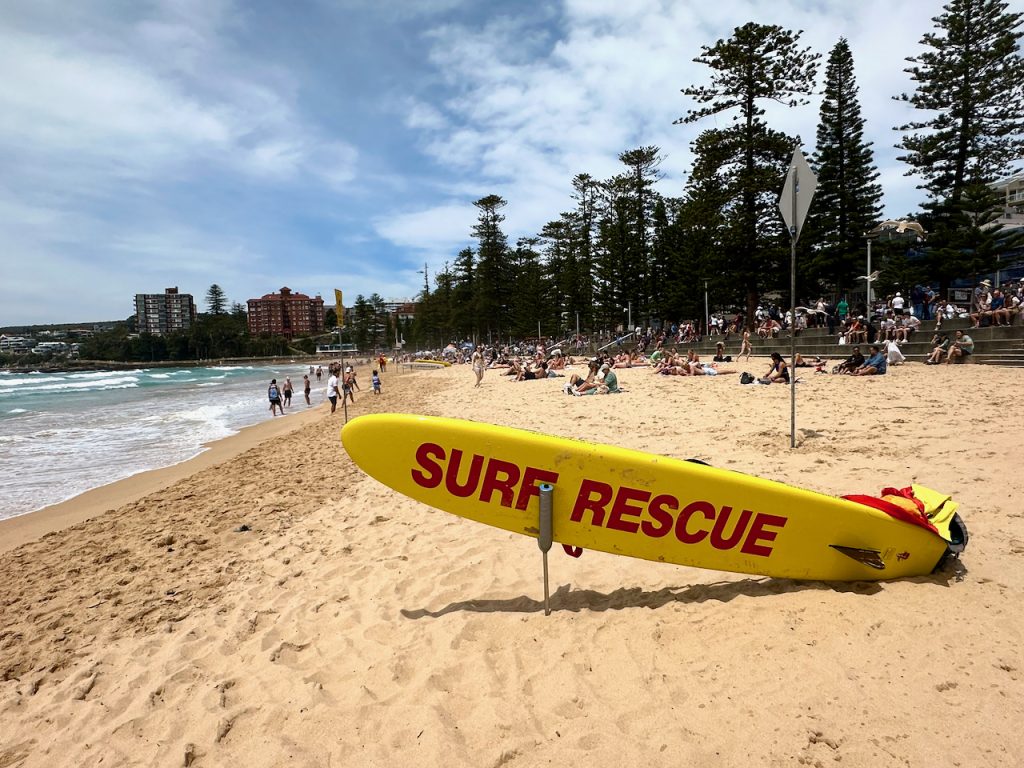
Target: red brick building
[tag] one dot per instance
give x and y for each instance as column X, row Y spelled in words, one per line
column 286, row 314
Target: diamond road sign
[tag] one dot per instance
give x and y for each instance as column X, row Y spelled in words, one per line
column 796, row 195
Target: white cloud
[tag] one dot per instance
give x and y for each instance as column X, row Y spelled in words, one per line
column 216, row 141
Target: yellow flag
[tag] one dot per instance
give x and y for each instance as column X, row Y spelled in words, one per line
column 339, row 308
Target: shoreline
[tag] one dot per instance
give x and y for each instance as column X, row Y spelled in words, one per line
column 30, row 526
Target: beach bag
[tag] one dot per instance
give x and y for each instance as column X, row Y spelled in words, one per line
column 746, row 378
column 273, row 392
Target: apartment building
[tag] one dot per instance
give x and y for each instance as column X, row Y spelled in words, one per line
column 1011, row 189
column 163, row 313
column 286, row 314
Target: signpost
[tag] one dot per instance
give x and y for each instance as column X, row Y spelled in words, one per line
column 339, row 310
column 794, row 203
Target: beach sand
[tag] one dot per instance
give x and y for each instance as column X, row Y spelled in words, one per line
column 272, row 606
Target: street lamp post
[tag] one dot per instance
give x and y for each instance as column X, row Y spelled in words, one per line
column 900, row 229
column 868, row 274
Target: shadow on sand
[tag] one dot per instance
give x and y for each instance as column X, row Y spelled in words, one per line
column 565, row 598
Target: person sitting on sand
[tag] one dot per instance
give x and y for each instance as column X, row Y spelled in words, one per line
column 874, row 365
column 850, row 364
column 609, row 383
column 577, row 385
column 778, row 372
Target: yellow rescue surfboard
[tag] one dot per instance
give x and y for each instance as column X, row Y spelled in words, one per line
column 642, row 505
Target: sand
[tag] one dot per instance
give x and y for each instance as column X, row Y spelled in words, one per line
column 273, row 606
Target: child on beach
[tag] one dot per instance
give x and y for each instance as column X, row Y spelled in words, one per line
column 375, row 379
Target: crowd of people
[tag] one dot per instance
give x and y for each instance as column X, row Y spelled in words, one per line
column 891, row 323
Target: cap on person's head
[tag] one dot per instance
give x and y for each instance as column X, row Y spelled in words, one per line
column 987, row 283
column 606, row 367
column 349, row 369
column 898, row 293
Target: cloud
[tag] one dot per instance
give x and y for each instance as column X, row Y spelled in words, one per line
column 201, row 141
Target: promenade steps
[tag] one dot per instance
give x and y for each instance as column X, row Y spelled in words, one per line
column 992, row 346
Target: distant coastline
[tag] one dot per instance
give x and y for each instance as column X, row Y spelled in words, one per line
column 66, row 366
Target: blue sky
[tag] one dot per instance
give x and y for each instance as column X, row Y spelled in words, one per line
column 324, row 144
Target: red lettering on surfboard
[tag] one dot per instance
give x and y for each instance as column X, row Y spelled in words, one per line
column 463, row 476
column 425, row 456
column 532, row 479
column 632, row 510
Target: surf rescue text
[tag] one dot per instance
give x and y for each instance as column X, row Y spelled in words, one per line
column 599, row 504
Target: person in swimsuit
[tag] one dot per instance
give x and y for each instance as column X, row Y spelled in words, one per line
column 306, row 388
column 745, row 348
column 287, row 392
column 779, row 371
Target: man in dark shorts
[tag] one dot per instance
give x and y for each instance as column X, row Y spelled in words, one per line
column 274, row 395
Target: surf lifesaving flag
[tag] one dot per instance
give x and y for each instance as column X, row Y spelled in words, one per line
column 339, row 308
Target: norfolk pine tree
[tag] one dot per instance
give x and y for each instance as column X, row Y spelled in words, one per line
column 758, row 62
column 215, row 300
column 969, row 82
column 970, row 85
column 848, row 198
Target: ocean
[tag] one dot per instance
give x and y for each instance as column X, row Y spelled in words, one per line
column 66, row 433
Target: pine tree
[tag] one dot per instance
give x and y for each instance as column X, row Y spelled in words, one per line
column 215, row 300
column 758, row 62
column 463, row 309
column 848, row 199
column 492, row 280
column 638, row 181
column 970, row 85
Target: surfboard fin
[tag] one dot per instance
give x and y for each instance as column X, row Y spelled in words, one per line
column 869, row 557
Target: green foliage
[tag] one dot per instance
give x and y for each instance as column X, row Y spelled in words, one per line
column 215, row 300
column 847, row 203
column 970, row 88
column 759, row 62
column 210, row 337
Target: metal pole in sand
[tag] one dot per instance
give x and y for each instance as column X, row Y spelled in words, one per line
column 544, row 538
column 344, row 394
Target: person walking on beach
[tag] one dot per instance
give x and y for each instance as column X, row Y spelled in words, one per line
column 274, row 395
column 478, row 365
column 332, row 390
column 349, row 384
column 287, row 390
column 745, row 348
column 306, row 387
column 319, row 372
